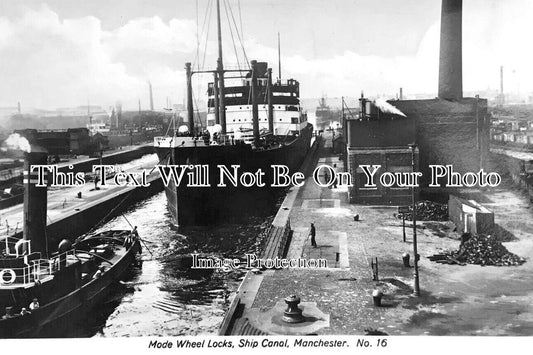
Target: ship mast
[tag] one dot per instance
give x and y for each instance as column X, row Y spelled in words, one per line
column 220, row 71
column 255, row 109
column 279, row 58
column 269, row 102
column 190, row 108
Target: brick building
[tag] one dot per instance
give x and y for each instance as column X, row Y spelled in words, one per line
column 379, row 138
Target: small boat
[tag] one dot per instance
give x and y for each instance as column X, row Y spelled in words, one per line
column 64, row 287
column 45, row 290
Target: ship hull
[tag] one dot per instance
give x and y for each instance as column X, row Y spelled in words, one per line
column 215, row 204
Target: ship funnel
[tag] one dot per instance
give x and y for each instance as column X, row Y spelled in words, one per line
column 451, row 58
column 34, row 223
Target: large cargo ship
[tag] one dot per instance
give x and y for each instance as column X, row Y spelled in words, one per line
column 325, row 116
column 254, row 124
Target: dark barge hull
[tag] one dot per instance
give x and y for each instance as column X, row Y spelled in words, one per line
column 54, row 318
column 213, row 205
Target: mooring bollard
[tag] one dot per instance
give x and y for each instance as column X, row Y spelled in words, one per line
column 292, row 314
column 376, row 296
column 405, row 258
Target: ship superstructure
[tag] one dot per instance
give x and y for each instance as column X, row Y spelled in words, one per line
column 253, row 124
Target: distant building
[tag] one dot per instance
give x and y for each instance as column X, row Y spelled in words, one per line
column 524, row 138
column 6, row 112
column 508, row 137
column 60, row 142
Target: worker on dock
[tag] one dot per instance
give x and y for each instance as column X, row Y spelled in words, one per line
column 312, row 233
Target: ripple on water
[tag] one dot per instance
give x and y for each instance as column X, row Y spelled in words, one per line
column 160, row 297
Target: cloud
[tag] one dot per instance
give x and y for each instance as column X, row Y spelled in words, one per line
column 350, row 73
column 153, row 35
column 494, row 33
column 48, row 62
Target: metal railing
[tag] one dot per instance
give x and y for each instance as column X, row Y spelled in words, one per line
column 10, row 245
column 34, row 270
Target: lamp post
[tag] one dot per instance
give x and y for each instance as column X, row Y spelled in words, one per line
column 413, row 198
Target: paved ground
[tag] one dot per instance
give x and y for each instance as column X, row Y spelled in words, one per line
column 455, row 300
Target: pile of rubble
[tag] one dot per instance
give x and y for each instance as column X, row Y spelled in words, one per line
column 428, row 211
column 480, row 250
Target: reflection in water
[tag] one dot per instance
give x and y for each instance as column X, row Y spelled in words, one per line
column 161, row 296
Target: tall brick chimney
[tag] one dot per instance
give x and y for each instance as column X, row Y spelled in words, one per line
column 34, row 224
column 451, row 56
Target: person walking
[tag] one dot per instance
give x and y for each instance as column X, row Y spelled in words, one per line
column 312, row 233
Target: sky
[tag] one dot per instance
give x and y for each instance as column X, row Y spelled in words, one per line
column 64, row 53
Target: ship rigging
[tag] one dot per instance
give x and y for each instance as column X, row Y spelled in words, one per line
column 254, row 124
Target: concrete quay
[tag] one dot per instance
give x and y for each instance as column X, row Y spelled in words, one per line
column 70, row 214
column 112, row 157
column 455, row 300
column 123, row 155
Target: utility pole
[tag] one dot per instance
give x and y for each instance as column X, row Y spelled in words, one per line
column 415, row 247
column 343, row 119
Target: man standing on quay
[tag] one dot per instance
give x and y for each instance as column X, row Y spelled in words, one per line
column 312, row 233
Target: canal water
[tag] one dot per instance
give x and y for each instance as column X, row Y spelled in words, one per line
column 162, row 296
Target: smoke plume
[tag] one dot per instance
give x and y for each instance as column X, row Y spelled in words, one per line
column 384, row 106
column 16, row 142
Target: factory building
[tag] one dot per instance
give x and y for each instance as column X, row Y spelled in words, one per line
column 448, row 130
column 376, row 137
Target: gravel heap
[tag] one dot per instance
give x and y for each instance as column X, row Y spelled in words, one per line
column 481, row 250
column 428, row 211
